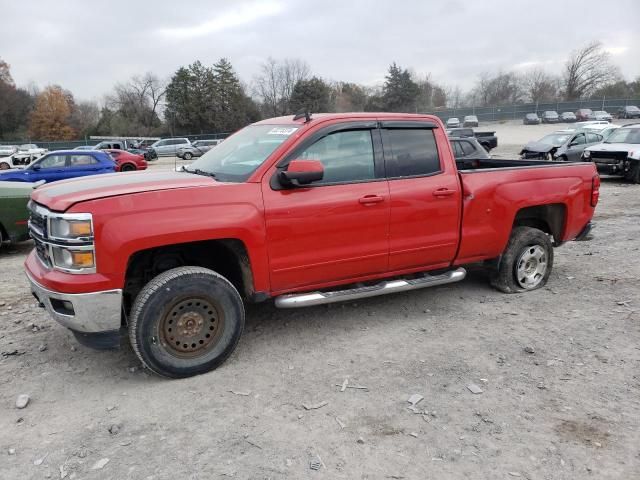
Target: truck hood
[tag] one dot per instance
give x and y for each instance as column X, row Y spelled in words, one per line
column 614, row 147
column 59, row 196
column 538, row 147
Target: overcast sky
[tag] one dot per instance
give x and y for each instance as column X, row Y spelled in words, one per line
column 88, row 46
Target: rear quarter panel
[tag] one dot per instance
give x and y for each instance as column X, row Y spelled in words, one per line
column 492, row 198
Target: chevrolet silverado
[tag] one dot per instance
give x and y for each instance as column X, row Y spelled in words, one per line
column 302, row 210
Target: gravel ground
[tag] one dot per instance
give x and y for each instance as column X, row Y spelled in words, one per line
column 558, row 369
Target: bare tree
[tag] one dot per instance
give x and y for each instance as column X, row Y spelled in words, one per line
column 138, row 102
column 587, row 70
column 499, row 89
column 540, row 86
column 276, row 81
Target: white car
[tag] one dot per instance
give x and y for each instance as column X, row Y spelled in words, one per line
column 591, row 124
column 602, row 115
column 619, row 154
column 453, row 122
column 7, row 150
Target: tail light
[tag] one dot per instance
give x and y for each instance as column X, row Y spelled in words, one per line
column 595, row 190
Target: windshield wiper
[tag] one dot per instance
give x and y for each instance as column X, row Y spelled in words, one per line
column 197, row 171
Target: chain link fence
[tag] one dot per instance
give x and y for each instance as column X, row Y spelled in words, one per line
column 71, row 144
column 516, row 112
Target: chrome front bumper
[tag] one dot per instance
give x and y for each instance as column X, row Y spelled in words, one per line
column 81, row 312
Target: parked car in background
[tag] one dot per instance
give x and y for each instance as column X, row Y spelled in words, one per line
column 465, row 148
column 488, row 140
column 85, row 147
column 531, row 119
column 619, row 154
column 61, row 165
column 127, row 161
column 470, row 121
column 196, row 149
column 550, row 116
column 584, row 114
column 14, row 214
column 593, row 124
column 6, row 150
column 602, row 115
column 26, row 154
column 630, row 111
column 124, row 144
column 169, row 146
column 563, row 145
column 453, row 122
column 568, row 117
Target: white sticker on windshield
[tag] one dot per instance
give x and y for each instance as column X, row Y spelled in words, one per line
column 282, row 131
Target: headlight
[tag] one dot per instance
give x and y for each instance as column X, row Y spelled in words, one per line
column 73, row 259
column 75, row 227
column 586, row 154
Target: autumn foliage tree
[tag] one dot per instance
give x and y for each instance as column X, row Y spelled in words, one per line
column 51, row 117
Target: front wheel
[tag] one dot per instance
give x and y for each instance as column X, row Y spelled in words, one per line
column 128, row 167
column 186, row 321
column 187, row 156
column 526, row 262
column 4, row 166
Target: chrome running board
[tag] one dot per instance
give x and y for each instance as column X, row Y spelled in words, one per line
column 390, row 286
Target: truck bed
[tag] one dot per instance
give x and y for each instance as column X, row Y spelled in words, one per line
column 473, row 164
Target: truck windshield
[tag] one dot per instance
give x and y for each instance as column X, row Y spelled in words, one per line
column 235, row 159
column 625, row 135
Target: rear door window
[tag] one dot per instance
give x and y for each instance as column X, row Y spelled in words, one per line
column 410, row 152
column 593, row 138
column 467, row 148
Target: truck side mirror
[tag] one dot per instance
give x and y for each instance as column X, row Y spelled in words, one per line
column 301, row 172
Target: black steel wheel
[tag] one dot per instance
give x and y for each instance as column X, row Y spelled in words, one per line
column 186, row 321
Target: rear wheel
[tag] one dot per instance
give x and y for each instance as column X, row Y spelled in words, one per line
column 526, row 262
column 187, row 156
column 186, row 321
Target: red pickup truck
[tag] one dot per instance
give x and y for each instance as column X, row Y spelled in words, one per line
column 303, row 210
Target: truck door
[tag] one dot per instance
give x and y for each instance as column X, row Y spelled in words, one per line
column 336, row 228
column 424, row 226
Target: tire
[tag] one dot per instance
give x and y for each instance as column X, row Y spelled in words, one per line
column 634, row 174
column 128, row 167
column 526, row 262
column 562, row 158
column 193, row 298
column 4, row 166
column 187, row 156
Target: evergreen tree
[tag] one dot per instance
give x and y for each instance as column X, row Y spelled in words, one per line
column 400, row 92
column 311, row 95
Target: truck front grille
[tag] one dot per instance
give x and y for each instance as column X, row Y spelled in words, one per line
column 38, row 231
column 609, row 158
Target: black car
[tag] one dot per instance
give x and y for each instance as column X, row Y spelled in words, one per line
column 630, row 111
column 550, row 116
column 531, row 119
column 568, row 117
column 467, row 147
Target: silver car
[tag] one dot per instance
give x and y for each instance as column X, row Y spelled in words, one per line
column 6, row 150
column 196, row 149
column 169, row 146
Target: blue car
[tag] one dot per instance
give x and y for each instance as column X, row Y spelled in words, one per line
column 62, row 165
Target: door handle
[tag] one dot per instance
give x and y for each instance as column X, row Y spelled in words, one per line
column 371, row 199
column 443, row 192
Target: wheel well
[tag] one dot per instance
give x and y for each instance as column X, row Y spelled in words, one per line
column 228, row 257
column 548, row 218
